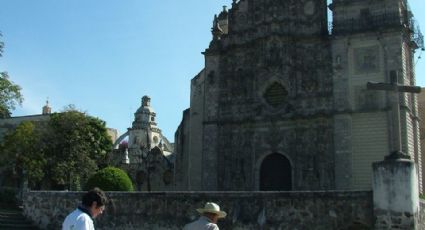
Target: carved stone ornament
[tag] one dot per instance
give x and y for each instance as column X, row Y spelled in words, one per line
column 366, row 60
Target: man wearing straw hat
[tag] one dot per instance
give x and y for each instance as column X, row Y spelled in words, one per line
column 209, row 217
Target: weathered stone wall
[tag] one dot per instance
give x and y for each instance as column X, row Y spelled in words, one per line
column 246, row 210
column 422, row 215
column 395, row 194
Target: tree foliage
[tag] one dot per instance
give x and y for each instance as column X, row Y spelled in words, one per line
column 21, row 153
column 10, row 93
column 1, row 46
column 61, row 153
column 78, row 145
column 110, row 179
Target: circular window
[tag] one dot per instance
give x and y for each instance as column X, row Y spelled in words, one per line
column 275, row 95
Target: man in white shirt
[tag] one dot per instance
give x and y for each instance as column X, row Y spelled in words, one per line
column 93, row 204
column 209, row 217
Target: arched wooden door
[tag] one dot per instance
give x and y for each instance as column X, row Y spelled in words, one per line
column 276, row 173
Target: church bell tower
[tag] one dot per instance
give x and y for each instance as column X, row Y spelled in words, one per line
column 372, row 41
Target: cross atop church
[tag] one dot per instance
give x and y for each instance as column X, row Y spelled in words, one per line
column 395, row 89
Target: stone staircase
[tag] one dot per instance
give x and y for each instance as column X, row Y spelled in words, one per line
column 13, row 219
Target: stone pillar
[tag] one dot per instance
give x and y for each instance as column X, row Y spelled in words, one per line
column 395, row 194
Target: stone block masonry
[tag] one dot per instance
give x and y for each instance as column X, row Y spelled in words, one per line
column 395, row 195
column 246, row 210
column 422, row 215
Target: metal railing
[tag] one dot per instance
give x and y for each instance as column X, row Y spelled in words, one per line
column 417, row 36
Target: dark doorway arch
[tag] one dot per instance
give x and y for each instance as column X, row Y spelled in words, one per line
column 275, row 173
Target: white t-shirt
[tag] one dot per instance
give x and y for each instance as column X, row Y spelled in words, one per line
column 203, row 223
column 78, row 220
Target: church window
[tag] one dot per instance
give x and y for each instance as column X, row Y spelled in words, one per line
column 275, row 95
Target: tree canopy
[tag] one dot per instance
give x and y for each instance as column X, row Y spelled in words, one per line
column 77, row 146
column 21, row 153
column 10, row 93
column 61, row 153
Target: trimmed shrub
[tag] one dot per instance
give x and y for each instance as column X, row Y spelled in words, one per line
column 110, row 179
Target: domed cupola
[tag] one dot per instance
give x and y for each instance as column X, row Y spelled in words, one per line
column 145, row 115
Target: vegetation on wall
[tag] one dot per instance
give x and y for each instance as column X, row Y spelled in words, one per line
column 110, row 179
column 422, row 196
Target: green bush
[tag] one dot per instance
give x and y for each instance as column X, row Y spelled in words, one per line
column 422, row 196
column 110, row 179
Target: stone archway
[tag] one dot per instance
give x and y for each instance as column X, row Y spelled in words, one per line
column 121, row 138
column 275, row 173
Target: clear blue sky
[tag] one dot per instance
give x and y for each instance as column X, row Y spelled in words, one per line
column 104, row 55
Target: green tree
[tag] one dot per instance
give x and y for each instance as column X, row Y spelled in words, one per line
column 1, row 46
column 76, row 145
column 110, row 179
column 60, row 153
column 21, row 151
column 10, row 93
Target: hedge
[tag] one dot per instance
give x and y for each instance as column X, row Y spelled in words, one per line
column 110, row 179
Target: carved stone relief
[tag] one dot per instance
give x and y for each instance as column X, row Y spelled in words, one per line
column 366, row 60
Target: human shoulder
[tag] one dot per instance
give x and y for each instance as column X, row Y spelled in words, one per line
column 200, row 224
column 78, row 220
column 212, row 226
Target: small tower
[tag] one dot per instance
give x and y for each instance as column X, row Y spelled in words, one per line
column 46, row 108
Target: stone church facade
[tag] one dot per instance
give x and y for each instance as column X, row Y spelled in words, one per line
column 282, row 103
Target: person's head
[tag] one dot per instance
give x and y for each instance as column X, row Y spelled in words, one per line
column 95, row 201
column 212, row 216
column 212, row 211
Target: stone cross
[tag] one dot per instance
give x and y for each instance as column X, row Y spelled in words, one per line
column 394, row 88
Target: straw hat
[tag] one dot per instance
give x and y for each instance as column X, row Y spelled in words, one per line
column 211, row 207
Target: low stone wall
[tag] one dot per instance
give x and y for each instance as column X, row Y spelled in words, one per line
column 246, row 210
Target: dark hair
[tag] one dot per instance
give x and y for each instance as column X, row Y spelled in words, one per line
column 96, row 194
